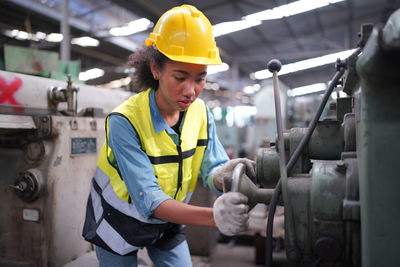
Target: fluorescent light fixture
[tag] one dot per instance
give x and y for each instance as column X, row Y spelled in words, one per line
column 140, row 24
column 303, row 65
column 251, row 89
column 132, row 27
column 41, row 35
column 308, row 89
column 10, row 33
column 291, row 9
column 21, row 35
column 279, row 12
column 54, row 37
column 85, row 41
column 233, row 26
column 91, row 74
column 212, row 69
column 17, row 34
column 119, row 31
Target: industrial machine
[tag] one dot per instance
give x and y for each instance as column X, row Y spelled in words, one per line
column 341, row 199
column 50, row 133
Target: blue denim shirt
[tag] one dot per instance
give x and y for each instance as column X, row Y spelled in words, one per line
column 135, row 166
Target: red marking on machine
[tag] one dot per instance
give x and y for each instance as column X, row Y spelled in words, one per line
column 7, row 91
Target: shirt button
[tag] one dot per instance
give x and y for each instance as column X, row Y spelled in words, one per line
column 140, row 193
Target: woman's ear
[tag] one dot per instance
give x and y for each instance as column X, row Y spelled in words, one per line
column 154, row 70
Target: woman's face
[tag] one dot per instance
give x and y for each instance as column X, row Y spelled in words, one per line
column 179, row 84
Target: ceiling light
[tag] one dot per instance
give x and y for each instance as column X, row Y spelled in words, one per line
column 54, row 37
column 212, row 69
column 289, row 9
column 233, row 26
column 12, row 33
column 21, row 35
column 140, row 24
column 279, row 12
column 17, row 34
column 251, row 89
column 91, row 74
column 303, row 65
column 41, row 35
column 134, row 26
column 85, row 41
column 308, row 89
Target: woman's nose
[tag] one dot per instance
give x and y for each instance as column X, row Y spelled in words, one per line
column 189, row 89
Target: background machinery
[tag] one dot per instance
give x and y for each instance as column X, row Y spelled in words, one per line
column 48, row 153
column 341, row 201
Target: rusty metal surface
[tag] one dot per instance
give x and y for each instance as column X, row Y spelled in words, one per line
column 47, row 161
column 47, row 230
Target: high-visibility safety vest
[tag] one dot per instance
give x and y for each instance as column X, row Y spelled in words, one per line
column 112, row 220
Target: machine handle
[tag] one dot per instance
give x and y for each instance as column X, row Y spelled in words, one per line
column 238, row 171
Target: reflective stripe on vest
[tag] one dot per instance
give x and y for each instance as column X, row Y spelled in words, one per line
column 105, row 231
column 122, row 206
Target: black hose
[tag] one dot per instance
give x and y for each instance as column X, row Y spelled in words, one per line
column 292, row 161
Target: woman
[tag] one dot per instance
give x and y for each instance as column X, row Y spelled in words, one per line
column 158, row 142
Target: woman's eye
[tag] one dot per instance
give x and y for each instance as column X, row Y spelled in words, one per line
column 179, row 79
column 200, row 80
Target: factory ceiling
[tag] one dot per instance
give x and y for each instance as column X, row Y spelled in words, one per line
column 318, row 32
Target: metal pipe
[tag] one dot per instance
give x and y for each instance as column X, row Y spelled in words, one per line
column 65, row 49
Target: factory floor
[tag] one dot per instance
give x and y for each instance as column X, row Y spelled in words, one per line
column 226, row 254
column 229, row 255
column 238, row 256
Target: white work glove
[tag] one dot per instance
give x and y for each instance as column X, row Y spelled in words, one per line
column 231, row 213
column 224, row 173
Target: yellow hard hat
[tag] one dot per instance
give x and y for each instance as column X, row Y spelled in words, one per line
column 184, row 34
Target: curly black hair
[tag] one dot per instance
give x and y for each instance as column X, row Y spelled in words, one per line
column 142, row 78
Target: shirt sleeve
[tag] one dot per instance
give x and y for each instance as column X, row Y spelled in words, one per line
column 134, row 166
column 214, row 155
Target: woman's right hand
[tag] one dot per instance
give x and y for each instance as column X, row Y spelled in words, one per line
column 231, row 213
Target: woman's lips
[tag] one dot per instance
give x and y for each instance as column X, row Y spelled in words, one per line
column 185, row 104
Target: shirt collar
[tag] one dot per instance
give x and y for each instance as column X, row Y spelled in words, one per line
column 158, row 121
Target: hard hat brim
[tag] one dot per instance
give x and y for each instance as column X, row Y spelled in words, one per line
column 195, row 60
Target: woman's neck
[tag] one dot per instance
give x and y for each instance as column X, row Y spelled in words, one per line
column 171, row 116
